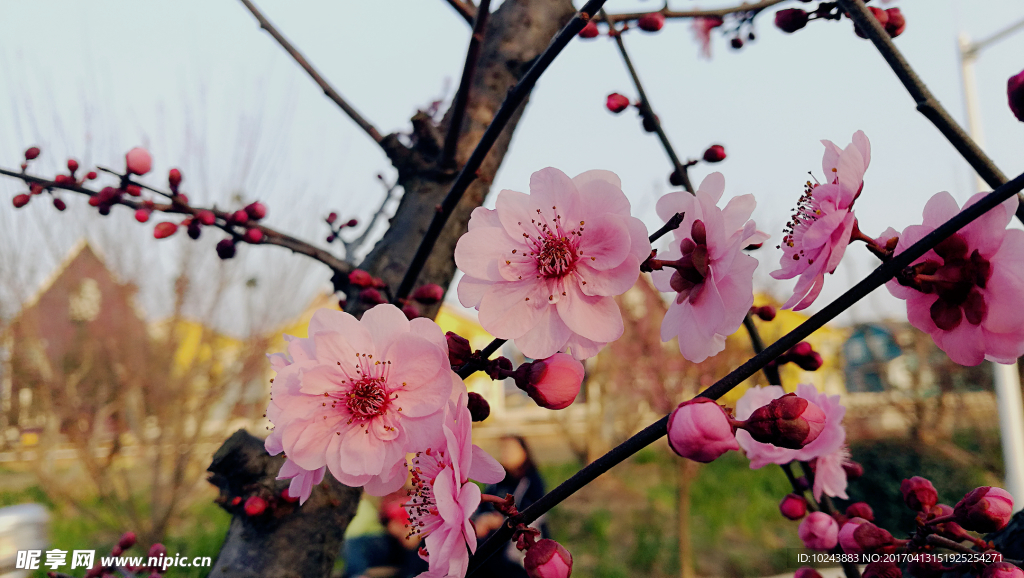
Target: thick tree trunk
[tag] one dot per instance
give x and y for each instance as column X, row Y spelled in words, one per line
column 306, row 541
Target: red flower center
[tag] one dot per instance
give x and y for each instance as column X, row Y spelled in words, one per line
column 557, row 256
column 368, row 398
column 957, row 280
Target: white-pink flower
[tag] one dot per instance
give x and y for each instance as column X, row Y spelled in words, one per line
column 712, row 278
column 543, row 268
column 815, row 239
column 443, row 498
column 828, row 448
column 359, row 394
column 966, row 292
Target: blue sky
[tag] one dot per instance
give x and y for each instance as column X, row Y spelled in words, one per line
column 205, row 89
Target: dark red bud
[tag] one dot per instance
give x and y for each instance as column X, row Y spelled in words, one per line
column 675, row 179
column 919, row 494
column 736, row 43
column 860, row 510
column 72, row 165
column 253, row 236
column 616, row 102
column 21, row 200
column 652, row 22
column 478, row 406
column 331, row 218
column 91, row 175
column 714, row 154
column 1015, row 94
column 59, row 204
column 360, row 278
column 255, row 506
column 240, row 217
column 650, row 123
column 765, row 312
column 352, row 223
column 31, row 153
column 371, row 295
column 174, row 178
column 896, row 23
column 194, row 229
column 127, row 540
column 853, row 470
column 790, row 20
column 165, row 229
column 590, row 30
column 788, row 422
column 226, row 248
column 428, row 294
column 459, row 350
column 256, row 210
column 411, row 311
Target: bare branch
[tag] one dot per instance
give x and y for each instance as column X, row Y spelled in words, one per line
column 756, row 6
column 301, row 60
column 926, row 102
column 270, row 236
column 464, row 10
column 476, row 41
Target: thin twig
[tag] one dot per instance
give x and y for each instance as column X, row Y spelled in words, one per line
column 324, row 85
column 744, row 7
column 657, row 430
column 352, row 246
column 465, row 11
column 926, row 102
column 648, row 113
column 468, row 174
column 476, row 42
column 270, row 236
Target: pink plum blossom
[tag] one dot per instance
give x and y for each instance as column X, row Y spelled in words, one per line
column 702, row 28
column 712, row 278
column 357, row 395
column 828, row 448
column 543, row 268
column 699, row 429
column 966, row 291
column 819, row 531
column 443, row 498
column 815, row 239
column 302, row 481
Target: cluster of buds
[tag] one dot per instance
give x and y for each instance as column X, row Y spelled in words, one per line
column 259, row 502
column 34, row 189
column 702, row 430
column 802, row 355
column 370, row 289
column 336, row 226
column 790, row 20
column 128, row 540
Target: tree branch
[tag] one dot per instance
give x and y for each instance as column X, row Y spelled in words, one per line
column 468, row 174
column 270, row 236
column 647, row 112
column 744, row 7
column 476, row 41
column 324, row 85
column 656, row 430
column 926, row 102
column 467, row 12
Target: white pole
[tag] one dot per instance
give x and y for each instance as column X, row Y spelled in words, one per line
column 1007, row 378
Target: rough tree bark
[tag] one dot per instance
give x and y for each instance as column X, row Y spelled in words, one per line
column 306, row 542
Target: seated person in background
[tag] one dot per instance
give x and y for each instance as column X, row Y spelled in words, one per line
column 392, row 554
column 522, row 480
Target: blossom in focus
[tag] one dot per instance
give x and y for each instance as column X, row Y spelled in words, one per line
column 699, row 429
column 543, row 268
column 702, row 28
column 985, row 509
column 443, row 498
column 711, row 276
column 827, row 449
column 966, row 291
column 138, row 161
column 357, row 395
column 816, row 237
column 548, row 559
column 819, row 531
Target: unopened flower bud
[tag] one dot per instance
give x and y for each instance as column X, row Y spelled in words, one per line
column 793, row 506
column 206, row 217
column 459, row 350
column 812, row 362
column 714, row 154
column 371, row 296
column 985, row 509
column 226, row 248
column 548, row 559
column 806, row 572
column 650, row 122
column 116, row 550
column 174, row 178
column 134, row 190
column 501, row 367
column 1002, row 570
column 59, row 204
column 142, row 215
column 860, row 510
column 919, row 494
column 240, row 217
column 699, row 430
column 21, row 200
column 331, row 218
column 617, row 102
column 31, row 153
column 859, row 536
column 428, row 294
column 360, row 278
column 165, row 229
column 478, row 406
column 896, row 23
column 255, row 506
column 652, row 22
column 675, row 179
column 802, row 484
column 352, row 223
column 790, row 20
column 590, row 30
column 157, row 550
column 256, row 210
column 554, row 382
column 194, row 229
column 63, row 180
column 787, row 422
column 72, row 165
column 253, row 236
column 881, row 15
column 853, row 470
column 411, row 311
column 736, row 43
column 91, row 175
column 1015, row 94
column 819, row 531
column 765, row 312
column 138, row 161
column 127, row 540
column 882, row 569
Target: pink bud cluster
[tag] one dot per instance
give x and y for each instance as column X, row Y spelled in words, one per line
column 370, row 288
column 336, row 226
column 790, row 20
column 68, row 180
column 802, row 355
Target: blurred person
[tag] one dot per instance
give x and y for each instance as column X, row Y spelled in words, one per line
column 392, row 554
column 523, row 481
